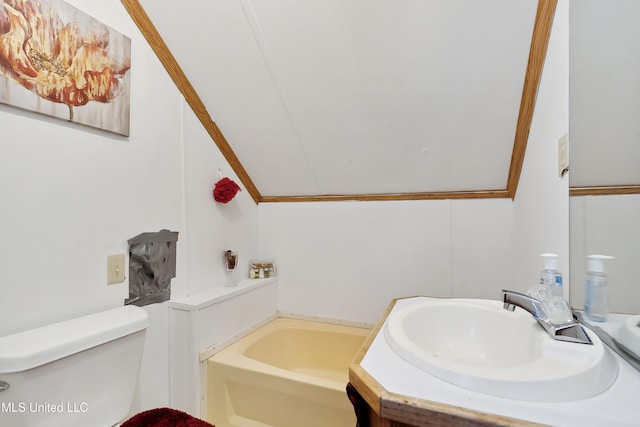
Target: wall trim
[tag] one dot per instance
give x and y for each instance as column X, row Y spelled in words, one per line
column 604, row 190
column 537, row 54
column 483, row 194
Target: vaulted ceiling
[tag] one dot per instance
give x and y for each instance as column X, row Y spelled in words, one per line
column 359, row 99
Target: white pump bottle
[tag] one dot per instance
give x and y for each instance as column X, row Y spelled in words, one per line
column 550, row 276
column 596, row 289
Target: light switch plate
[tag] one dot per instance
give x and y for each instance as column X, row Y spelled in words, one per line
column 563, row 155
column 115, row 269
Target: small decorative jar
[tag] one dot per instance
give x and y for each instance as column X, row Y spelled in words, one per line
column 230, row 260
column 262, row 268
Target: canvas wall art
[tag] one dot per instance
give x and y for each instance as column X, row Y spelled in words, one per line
column 59, row 61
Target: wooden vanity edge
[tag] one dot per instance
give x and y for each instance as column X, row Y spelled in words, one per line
column 414, row 411
column 370, row 390
column 419, row 412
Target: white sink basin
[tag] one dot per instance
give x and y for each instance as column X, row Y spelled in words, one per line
column 478, row 345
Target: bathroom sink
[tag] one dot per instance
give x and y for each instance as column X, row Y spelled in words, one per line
column 478, row 345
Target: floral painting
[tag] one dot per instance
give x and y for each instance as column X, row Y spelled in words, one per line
column 59, row 61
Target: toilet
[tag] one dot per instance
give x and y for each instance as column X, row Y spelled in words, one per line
column 77, row 373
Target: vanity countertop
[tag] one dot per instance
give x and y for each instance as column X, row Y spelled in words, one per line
column 389, row 383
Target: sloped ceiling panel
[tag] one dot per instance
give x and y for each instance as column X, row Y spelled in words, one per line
column 355, row 96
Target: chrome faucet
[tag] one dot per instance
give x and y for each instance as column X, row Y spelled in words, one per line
column 569, row 330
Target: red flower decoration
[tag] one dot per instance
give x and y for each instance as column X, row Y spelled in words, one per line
column 225, row 190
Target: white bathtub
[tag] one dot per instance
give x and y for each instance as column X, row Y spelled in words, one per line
column 288, row 373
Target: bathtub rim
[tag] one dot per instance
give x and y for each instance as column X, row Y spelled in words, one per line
column 237, row 359
column 211, row 350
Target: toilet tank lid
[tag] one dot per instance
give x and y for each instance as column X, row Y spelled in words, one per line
column 30, row 349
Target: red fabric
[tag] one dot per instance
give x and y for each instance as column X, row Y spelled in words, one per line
column 225, row 190
column 164, row 417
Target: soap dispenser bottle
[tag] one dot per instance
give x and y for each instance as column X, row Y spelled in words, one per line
column 550, row 276
column 596, row 291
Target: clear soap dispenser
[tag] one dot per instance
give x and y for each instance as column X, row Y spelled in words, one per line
column 596, row 289
column 550, row 276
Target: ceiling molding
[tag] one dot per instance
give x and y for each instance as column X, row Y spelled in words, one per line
column 482, row 194
column 537, row 53
column 539, row 42
column 604, row 190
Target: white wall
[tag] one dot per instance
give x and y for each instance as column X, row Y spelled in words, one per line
column 71, row 195
column 347, row 260
column 541, row 208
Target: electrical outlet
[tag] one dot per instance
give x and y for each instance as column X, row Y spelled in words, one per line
column 115, row 269
column 563, row 155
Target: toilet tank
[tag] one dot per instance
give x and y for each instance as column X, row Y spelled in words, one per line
column 77, row 373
